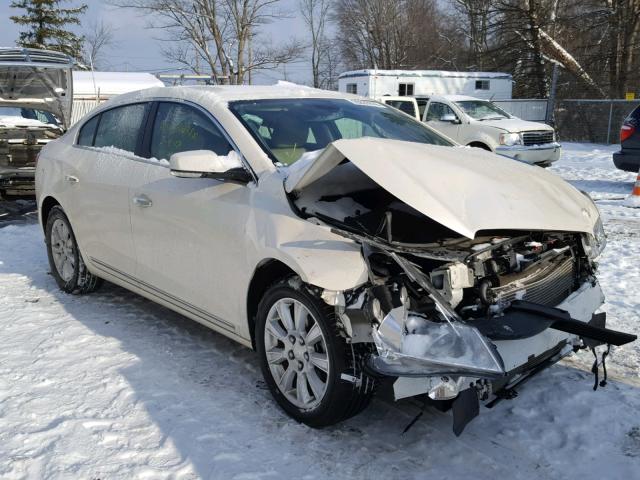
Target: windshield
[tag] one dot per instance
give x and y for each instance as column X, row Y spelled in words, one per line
column 482, row 110
column 287, row 128
column 17, row 115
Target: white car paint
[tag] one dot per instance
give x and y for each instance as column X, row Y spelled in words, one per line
column 194, row 244
column 112, row 233
column 528, row 198
column 486, row 133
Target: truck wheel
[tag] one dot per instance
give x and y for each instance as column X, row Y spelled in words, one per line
column 65, row 260
column 303, row 358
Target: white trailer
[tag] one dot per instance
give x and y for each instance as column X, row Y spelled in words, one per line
column 376, row 83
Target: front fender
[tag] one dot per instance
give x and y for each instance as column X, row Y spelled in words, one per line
column 332, row 264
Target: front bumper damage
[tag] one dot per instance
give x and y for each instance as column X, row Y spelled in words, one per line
column 463, row 362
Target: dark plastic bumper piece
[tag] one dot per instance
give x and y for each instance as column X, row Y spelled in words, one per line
column 525, row 319
column 561, row 320
column 465, row 408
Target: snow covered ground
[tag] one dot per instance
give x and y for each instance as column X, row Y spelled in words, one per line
column 111, row 386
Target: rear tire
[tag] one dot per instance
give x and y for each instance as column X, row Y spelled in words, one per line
column 66, row 263
column 303, row 358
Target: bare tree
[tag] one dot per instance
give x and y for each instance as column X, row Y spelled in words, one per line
column 623, row 26
column 330, row 65
column 217, row 34
column 315, row 14
column 475, row 26
column 99, row 37
column 390, row 34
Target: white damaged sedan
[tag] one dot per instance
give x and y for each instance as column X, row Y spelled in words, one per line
column 349, row 244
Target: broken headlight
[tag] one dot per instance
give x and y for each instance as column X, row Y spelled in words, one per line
column 594, row 243
column 410, row 344
column 413, row 344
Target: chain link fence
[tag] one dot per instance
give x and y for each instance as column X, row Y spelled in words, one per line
column 593, row 121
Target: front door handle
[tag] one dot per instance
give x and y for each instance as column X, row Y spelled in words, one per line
column 71, row 179
column 142, row 201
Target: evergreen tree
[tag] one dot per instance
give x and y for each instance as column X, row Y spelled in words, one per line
column 46, row 21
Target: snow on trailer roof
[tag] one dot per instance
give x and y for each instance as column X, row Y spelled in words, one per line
column 423, row 73
column 86, row 83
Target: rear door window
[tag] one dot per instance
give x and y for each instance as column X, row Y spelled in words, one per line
column 182, row 128
column 121, row 127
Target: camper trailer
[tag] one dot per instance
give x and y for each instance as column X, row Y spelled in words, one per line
column 377, row 83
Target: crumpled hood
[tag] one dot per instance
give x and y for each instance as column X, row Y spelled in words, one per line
column 37, row 79
column 515, row 125
column 465, row 189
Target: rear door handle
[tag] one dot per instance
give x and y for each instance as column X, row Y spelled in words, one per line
column 71, row 179
column 142, row 201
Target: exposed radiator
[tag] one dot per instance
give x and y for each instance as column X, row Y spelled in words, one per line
column 547, row 284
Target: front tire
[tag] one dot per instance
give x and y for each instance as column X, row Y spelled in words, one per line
column 65, row 260
column 303, row 358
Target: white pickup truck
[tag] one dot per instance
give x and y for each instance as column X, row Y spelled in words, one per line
column 480, row 123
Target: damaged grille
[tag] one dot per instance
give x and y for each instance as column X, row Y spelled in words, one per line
column 547, row 285
column 537, row 138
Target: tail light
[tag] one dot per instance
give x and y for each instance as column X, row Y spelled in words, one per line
column 626, row 131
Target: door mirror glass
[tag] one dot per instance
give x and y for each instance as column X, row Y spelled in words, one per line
column 205, row 163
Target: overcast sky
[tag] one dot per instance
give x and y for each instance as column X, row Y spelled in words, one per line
column 139, row 49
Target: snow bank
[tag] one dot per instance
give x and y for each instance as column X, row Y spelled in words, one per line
column 110, row 385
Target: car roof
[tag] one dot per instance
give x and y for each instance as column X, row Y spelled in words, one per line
column 458, row 98
column 230, row 93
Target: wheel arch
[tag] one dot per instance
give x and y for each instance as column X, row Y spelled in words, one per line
column 479, row 144
column 268, row 272
column 45, row 208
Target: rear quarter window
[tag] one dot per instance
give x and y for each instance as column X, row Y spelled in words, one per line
column 121, row 127
column 87, row 132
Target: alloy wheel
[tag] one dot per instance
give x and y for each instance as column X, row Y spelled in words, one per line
column 63, row 250
column 296, row 352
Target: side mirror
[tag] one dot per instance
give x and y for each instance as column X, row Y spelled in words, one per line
column 205, row 163
column 449, row 117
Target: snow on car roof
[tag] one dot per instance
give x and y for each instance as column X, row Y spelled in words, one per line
column 229, row 93
column 459, row 98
